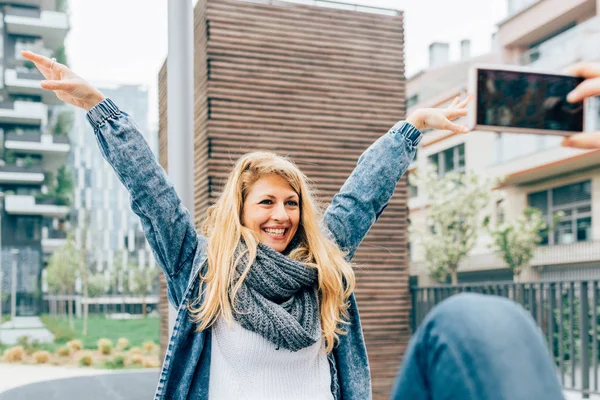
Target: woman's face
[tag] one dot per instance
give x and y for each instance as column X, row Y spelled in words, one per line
column 272, row 210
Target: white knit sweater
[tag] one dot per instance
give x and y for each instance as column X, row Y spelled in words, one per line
column 244, row 365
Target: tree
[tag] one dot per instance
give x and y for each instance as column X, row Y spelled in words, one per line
column 455, row 205
column 96, row 285
column 64, row 123
column 142, row 281
column 515, row 241
column 84, row 264
column 61, row 54
column 119, row 278
column 60, row 190
column 62, row 271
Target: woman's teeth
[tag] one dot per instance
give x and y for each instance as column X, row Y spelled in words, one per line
column 275, row 232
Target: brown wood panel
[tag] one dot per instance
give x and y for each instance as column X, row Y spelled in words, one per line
column 318, row 85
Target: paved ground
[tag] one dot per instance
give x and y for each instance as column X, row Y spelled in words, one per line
column 124, row 385
column 33, row 382
column 24, row 326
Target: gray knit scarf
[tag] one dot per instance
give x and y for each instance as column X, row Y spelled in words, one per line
column 278, row 299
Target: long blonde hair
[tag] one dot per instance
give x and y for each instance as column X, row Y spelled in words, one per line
column 224, row 230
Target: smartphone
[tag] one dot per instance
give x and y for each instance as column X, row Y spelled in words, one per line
column 521, row 100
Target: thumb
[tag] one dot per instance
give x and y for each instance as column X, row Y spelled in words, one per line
column 56, row 85
column 584, row 140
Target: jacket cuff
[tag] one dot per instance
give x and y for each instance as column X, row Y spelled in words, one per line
column 409, row 131
column 101, row 112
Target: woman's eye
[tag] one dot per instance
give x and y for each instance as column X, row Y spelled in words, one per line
column 266, row 201
column 292, row 203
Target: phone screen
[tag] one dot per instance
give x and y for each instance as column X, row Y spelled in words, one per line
column 527, row 100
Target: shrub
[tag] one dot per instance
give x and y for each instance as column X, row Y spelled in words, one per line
column 149, row 346
column 41, row 357
column 63, row 351
column 75, row 345
column 123, row 344
column 86, row 359
column 115, row 363
column 150, row 363
column 62, row 335
column 135, row 350
column 23, row 341
column 136, row 359
column 105, row 346
column 14, row 354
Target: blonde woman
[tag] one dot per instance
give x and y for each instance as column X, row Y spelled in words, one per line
column 265, row 293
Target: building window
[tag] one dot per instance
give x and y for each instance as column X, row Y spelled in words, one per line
column 572, row 206
column 500, row 212
column 452, row 159
column 28, row 228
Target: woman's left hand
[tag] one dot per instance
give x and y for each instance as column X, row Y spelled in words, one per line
column 441, row 118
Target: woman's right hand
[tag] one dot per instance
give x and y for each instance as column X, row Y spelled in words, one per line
column 67, row 85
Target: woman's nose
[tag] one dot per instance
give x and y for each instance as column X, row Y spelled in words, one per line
column 280, row 213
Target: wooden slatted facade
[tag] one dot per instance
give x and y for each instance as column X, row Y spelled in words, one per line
column 319, row 85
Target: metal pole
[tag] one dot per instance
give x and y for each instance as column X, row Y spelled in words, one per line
column 180, row 100
column 1, row 272
column 13, row 299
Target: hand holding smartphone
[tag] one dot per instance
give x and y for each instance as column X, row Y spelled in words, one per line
column 521, row 100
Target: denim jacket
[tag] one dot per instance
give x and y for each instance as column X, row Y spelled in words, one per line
column 181, row 252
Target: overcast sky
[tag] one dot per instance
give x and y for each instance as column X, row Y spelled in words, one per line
column 125, row 41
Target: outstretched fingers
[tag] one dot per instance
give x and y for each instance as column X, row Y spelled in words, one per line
column 37, row 58
column 456, row 128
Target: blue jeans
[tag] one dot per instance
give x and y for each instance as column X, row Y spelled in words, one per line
column 477, row 347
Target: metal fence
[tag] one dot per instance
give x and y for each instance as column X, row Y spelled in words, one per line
column 561, row 309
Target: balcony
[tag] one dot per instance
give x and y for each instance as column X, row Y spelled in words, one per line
column 53, row 149
column 21, row 175
column 52, row 26
column 539, row 20
column 24, row 81
column 23, row 112
column 52, row 239
column 576, row 44
column 544, row 165
column 28, row 205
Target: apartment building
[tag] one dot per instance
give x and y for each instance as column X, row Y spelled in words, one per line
column 537, row 172
column 34, row 146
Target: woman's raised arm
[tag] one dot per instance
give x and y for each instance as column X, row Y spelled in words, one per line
column 367, row 191
column 167, row 223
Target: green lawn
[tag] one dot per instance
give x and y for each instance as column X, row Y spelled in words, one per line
column 137, row 331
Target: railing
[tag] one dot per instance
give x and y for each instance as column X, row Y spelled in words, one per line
column 23, row 137
column 106, row 304
column 35, row 169
column 23, row 12
column 25, row 73
column 557, row 307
